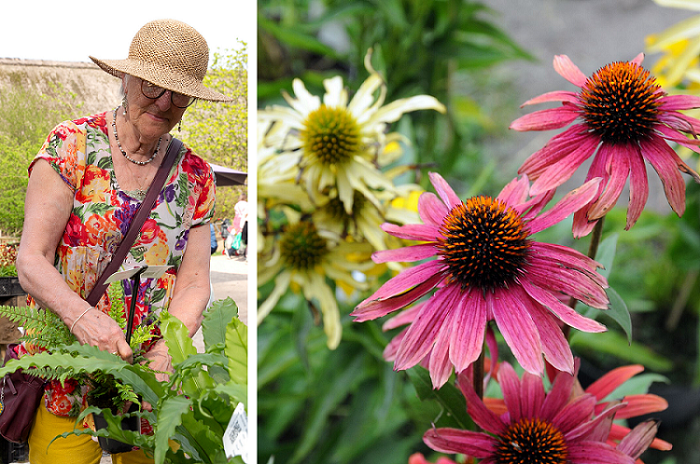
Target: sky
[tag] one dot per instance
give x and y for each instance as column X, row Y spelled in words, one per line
column 71, row 31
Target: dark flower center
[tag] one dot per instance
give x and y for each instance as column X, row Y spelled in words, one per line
column 330, row 135
column 301, row 246
column 620, row 103
column 531, row 441
column 485, row 243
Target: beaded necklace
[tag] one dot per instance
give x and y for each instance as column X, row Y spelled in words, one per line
column 116, row 138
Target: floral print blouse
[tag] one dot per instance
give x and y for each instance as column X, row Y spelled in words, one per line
column 79, row 151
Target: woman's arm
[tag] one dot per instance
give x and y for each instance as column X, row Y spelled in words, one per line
column 47, row 209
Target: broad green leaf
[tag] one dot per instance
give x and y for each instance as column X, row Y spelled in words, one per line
column 177, row 338
column 449, row 396
column 169, row 418
column 615, row 344
column 237, row 351
column 606, row 254
column 216, row 320
column 619, row 313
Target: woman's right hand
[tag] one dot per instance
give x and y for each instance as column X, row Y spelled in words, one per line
column 98, row 329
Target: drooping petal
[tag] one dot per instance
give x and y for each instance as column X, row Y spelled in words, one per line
column 558, row 396
column 661, row 157
column 618, row 168
column 575, row 412
column 558, row 147
column 422, row 333
column 484, row 417
column 443, row 189
column 422, row 232
column 408, row 278
column 554, row 345
column 639, row 188
column 572, row 201
column 560, row 171
column 678, row 102
column 591, row 452
column 531, row 395
column 518, row 329
column 586, row 428
column 569, row 71
column 543, row 120
column 403, row 318
column 510, row 386
column 467, row 330
column 336, row 95
column 639, row 439
column 639, row 405
column 405, row 254
column 515, row 192
column 556, row 96
column 394, row 110
column 439, row 364
column 476, row 444
column 564, row 312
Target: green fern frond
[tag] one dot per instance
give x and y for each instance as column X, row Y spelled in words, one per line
column 115, row 291
column 43, row 327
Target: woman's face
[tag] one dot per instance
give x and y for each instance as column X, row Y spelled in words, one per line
column 152, row 118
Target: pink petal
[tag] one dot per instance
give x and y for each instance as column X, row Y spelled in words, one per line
column 638, row 59
column 406, row 254
column 639, row 405
column 475, row 444
column 422, row 232
column 618, row 432
column 432, row 210
column 424, row 330
column 618, row 168
column 542, row 120
column 572, row 201
column 484, row 417
column 556, row 96
column 515, row 192
column 613, row 379
column 403, row 318
column 556, row 149
column 586, row 428
column 678, row 102
column 639, row 188
column 564, row 312
column 517, row 328
column 510, row 386
column 531, row 395
column 392, row 347
column 578, row 411
column 558, row 396
column 569, row 258
column 439, row 364
column 639, row 439
column 569, row 71
column 582, row 226
column 558, row 279
column 554, row 345
column 559, row 172
column 443, row 189
column 467, row 330
column 409, row 278
column 662, row 158
column 591, row 452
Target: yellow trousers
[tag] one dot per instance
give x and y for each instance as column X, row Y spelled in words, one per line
column 73, row 449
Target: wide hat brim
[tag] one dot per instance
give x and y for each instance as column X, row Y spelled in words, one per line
column 162, row 76
column 169, row 54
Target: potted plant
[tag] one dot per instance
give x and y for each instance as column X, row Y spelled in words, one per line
column 191, row 411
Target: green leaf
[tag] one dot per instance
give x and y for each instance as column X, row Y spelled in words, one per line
column 613, row 343
column 237, row 351
column 169, row 418
column 619, row 313
column 449, row 397
column 606, row 254
column 216, row 320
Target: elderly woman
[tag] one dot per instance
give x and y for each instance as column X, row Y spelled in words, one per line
column 84, row 187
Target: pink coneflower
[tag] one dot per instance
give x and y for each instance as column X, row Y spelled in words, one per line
column 487, row 268
column 538, row 428
column 624, row 119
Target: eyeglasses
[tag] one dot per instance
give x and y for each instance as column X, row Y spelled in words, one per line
column 154, row 92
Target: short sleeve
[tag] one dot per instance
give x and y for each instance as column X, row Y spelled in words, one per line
column 205, row 188
column 64, row 149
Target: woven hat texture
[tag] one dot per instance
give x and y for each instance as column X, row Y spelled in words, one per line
column 169, row 54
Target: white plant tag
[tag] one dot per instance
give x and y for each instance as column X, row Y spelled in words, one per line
column 236, row 435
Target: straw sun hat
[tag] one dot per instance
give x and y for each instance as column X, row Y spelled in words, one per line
column 169, row 54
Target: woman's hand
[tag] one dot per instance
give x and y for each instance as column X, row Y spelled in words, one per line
column 160, row 360
column 98, row 329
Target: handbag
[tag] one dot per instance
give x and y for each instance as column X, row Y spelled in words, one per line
column 20, row 393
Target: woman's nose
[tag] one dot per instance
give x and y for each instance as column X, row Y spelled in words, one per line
column 165, row 101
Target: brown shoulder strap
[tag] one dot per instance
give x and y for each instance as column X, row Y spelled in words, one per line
column 137, row 222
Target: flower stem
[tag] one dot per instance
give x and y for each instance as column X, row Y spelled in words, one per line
column 596, row 235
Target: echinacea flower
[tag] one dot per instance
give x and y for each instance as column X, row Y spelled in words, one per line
column 334, row 143
column 622, row 118
column 539, row 427
column 302, row 258
column 487, row 268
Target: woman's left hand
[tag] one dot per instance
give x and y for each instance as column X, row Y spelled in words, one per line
column 160, row 360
